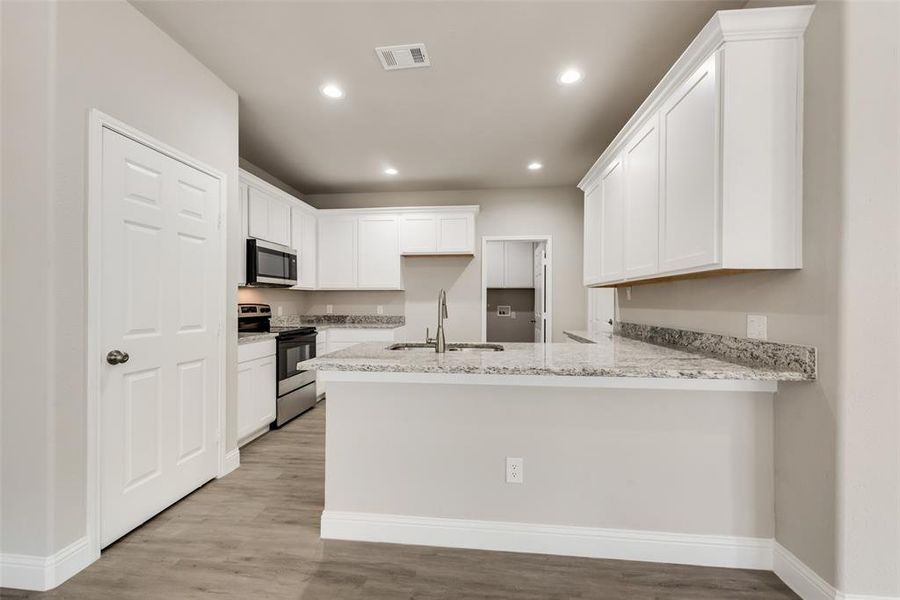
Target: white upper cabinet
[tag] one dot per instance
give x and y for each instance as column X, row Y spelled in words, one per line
column 612, row 221
column 456, row 233
column 270, row 217
column 509, row 264
column 303, row 241
column 642, row 207
column 706, row 176
column 438, row 231
column 379, row 252
column 688, row 233
column 338, row 246
column 349, row 249
column 518, row 264
column 418, row 233
column 270, row 214
column 494, row 259
column 592, row 234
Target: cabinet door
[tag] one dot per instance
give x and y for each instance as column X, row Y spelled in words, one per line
column 601, row 310
column 592, row 234
column 303, row 241
column 265, row 390
column 642, row 201
column 245, row 404
column 279, row 222
column 493, row 264
column 518, row 264
column 689, row 206
column 256, row 395
column 258, row 224
column 379, row 252
column 456, row 233
column 418, row 233
column 612, row 223
column 337, row 252
column 308, row 250
column 245, row 232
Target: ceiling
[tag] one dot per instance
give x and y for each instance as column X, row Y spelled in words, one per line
column 487, row 106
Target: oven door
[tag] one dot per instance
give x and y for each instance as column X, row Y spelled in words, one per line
column 270, row 264
column 293, row 349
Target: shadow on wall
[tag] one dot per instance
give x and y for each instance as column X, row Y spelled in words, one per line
column 517, row 324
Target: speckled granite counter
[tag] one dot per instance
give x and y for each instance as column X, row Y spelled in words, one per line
column 614, row 356
column 251, row 338
column 340, row 321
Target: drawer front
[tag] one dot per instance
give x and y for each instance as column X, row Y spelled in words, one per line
column 256, row 350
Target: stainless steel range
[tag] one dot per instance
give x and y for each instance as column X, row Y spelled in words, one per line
column 296, row 389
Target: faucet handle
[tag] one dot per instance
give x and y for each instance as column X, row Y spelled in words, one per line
column 428, row 339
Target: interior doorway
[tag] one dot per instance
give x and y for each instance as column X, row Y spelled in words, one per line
column 516, row 289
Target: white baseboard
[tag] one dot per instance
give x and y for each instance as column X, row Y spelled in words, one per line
column 590, row 542
column 232, row 462
column 805, row 582
column 41, row 573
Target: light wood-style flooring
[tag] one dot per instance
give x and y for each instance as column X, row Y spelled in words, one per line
column 255, row 534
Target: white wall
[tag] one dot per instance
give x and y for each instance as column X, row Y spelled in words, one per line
column 535, row 211
column 676, row 461
column 59, row 61
column 837, row 441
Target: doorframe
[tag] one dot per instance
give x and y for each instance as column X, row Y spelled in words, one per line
column 548, row 283
column 97, row 122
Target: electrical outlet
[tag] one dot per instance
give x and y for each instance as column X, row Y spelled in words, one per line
column 757, row 326
column 380, row 309
column 329, row 308
column 512, row 315
column 628, row 293
column 280, row 310
column 515, row 470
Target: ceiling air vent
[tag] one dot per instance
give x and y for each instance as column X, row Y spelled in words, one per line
column 407, row 56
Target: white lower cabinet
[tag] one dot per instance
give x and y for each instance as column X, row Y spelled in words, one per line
column 256, row 389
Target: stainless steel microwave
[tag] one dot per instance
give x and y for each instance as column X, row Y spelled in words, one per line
column 270, row 265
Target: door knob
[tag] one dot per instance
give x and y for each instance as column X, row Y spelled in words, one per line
column 117, row 357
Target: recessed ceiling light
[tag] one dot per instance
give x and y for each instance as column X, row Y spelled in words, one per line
column 390, row 171
column 535, row 166
column 570, row 76
column 332, row 91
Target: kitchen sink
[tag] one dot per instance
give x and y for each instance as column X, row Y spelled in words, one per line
column 423, row 347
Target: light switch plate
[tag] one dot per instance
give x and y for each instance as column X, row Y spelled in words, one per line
column 757, row 326
column 380, row 309
column 329, row 308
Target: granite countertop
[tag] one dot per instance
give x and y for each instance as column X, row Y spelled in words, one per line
column 323, row 322
column 250, row 338
column 583, row 336
column 610, row 356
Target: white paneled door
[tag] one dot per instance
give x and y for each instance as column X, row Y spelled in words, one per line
column 159, row 322
column 540, row 293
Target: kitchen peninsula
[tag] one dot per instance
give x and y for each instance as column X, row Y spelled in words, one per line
column 618, row 449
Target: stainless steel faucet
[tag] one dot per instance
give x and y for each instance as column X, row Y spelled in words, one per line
column 440, row 341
